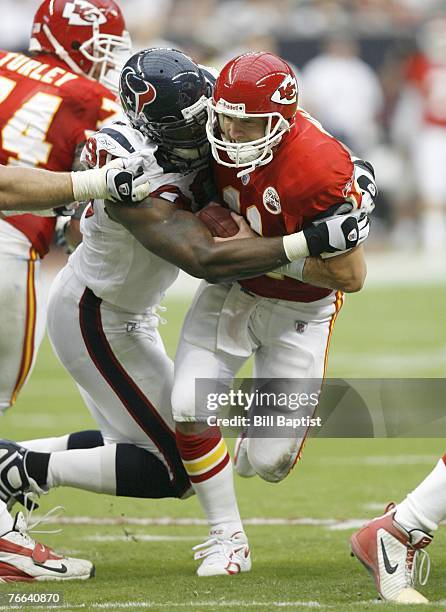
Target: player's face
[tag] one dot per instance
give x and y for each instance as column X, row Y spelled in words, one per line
column 236, row 129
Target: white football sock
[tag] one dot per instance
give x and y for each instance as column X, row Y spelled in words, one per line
column 92, row 469
column 425, row 507
column 6, row 520
column 47, row 445
column 217, row 498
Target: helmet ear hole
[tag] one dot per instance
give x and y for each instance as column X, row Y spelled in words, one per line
column 75, row 45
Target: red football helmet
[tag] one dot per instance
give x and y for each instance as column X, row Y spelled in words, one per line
column 252, row 85
column 88, row 35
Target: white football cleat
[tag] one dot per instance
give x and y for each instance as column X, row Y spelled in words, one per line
column 24, row 560
column 241, row 462
column 223, row 555
column 390, row 554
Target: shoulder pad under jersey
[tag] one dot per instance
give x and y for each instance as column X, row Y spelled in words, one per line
column 116, row 139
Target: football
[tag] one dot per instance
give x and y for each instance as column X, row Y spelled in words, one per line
column 218, row 220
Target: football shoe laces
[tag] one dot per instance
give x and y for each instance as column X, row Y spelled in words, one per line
column 222, row 555
column 22, row 559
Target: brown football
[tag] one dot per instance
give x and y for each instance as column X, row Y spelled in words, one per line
column 218, row 220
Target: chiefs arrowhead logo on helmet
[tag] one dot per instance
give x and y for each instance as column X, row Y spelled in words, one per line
column 82, row 12
column 286, row 93
column 142, row 92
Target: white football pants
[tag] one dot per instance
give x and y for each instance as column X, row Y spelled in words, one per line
column 121, row 367
column 22, row 305
column 224, row 327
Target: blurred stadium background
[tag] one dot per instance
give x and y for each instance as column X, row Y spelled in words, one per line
column 356, row 65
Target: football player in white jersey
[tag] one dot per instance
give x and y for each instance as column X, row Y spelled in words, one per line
column 103, row 305
column 21, row 558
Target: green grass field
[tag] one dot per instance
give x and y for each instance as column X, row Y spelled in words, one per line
column 303, row 563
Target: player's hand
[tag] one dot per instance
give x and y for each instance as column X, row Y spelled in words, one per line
column 365, row 178
column 244, row 230
column 127, row 179
column 340, row 233
column 123, row 180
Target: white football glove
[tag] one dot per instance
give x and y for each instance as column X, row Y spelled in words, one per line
column 123, row 180
column 325, row 238
column 365, row 178
column 329, row 237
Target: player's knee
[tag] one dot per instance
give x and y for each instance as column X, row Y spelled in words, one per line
column 272, row 469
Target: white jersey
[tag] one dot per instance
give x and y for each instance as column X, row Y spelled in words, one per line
column 110, row 261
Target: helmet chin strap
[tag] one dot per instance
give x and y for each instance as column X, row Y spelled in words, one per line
column 61, row 52
column 255, row 164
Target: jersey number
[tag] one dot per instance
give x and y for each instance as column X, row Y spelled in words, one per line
column 232, row 198
column 25, row 132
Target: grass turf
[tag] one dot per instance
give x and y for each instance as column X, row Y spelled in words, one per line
column 381, row 332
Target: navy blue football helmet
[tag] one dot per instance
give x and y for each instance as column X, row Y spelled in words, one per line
column 163, row 93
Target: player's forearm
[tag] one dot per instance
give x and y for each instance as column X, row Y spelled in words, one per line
column 235, row 260
column 179, row 237
column 33, row 189
column 345, row 272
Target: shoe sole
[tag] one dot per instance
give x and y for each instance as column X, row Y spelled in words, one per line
column 9, row 579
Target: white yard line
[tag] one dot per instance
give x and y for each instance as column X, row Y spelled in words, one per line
column 193, row 605
column 330, row 524
column 137, row 537
column 125, row 605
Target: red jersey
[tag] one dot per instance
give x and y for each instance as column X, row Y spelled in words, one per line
column 430, row 80
column 310, row 171
column 46, row 111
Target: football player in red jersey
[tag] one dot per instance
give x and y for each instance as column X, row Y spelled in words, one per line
column 49, row 103
column 276, row 166
column 425, row 93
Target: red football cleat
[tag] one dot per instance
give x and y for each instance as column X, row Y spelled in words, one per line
column 24, row 560
column 390, row 554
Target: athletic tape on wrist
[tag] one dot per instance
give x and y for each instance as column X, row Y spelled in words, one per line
column 295, row 246
column 89, row 184
column 294, row 269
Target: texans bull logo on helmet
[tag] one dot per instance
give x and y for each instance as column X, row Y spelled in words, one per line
column 82, row 13
column 139, row 92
